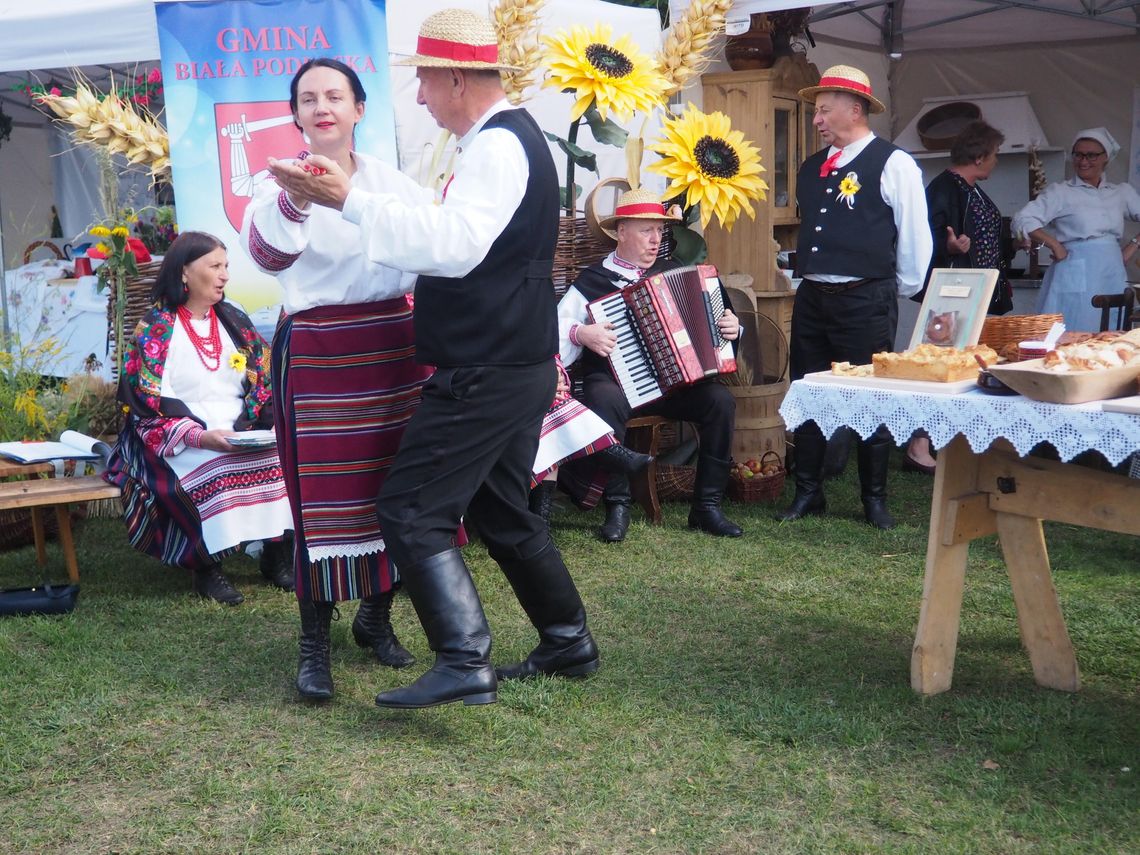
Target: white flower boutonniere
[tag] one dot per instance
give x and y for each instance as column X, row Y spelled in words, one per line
column 848, row 187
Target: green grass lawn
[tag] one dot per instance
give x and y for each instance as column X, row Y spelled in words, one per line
column 754, row 697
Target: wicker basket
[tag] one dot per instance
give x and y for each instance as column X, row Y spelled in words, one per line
column 759, row 488
column 138, row 301
column 675, row 482
column 1000, row 331
column 575, row 248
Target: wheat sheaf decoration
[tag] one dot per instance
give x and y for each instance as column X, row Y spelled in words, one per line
column 516, row 29
column 112, row 122
column 683, row 56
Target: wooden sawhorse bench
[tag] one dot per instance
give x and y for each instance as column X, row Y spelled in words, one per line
column 38, row 493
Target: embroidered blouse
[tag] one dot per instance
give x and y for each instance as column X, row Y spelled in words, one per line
column 168, row 424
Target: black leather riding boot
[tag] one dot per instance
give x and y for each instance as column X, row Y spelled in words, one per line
column 708, row 492
column 314, row 670
column 372, row 627
column 448, row 606
column 542, row 500
column 874, row 457
column 811, row 448
column 618, row 500
column 618, row 458
column 838, row 451
column 276, row 563
column 551, row 601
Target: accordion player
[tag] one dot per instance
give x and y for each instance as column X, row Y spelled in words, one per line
column 667, row 332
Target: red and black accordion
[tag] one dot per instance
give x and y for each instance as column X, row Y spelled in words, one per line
column 667, row 335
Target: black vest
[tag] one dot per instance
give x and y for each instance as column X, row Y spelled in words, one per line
column 503, row 311
column 841, row 239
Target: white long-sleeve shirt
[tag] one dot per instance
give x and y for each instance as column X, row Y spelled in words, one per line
column 902, row 189
column 316, row 254
column 449, row 239
column 1075, row 210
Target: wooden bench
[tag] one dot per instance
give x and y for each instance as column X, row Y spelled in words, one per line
column 36, row 494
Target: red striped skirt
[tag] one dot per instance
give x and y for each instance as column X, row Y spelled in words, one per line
column 345, row 384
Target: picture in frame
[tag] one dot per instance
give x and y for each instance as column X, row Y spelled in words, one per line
column 954, row 308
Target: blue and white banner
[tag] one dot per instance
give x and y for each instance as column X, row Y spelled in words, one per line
column 226, row 66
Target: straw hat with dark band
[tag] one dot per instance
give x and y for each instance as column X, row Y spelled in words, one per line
column 640, row 204
column 456, row 38
column 844, row 78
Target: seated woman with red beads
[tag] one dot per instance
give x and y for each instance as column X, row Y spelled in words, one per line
column 194, row 376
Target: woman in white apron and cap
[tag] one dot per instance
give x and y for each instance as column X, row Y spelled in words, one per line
column 1085, row 220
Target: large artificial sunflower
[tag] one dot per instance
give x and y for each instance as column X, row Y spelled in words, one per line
column 615, row 77
column 714, row 165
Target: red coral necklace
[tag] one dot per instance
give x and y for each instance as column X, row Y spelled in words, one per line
column 209, row 347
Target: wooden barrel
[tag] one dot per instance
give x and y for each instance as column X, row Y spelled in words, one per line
column 759, row 427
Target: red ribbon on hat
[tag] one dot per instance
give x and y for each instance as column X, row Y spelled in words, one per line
column 458, row 51
column 844, row 81
column 639, row 208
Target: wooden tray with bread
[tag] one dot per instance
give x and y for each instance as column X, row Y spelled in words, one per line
column 1092, row 370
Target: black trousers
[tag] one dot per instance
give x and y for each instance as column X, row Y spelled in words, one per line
column 708, row 404
column 846, row 327
column 471, row 443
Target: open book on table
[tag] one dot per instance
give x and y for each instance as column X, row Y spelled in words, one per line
column 72, row 445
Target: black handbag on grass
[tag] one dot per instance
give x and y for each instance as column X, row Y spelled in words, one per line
column 45, row 599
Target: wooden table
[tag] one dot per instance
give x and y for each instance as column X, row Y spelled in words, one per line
column 996, row 491
column 993, row 491
column 36, row 493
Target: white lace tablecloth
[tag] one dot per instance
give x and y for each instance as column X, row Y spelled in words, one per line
column 981, row 418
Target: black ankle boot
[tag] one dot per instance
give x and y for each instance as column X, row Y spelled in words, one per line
column 448, row 606
column 210, row 584
column 874, row 459
column 618, row 500
column 542, row 500
column 811, row 449
column 372, row 627
column 314, row 670
column 708, row 492
column 618, row 458
column 276, row 563
column 548, row 596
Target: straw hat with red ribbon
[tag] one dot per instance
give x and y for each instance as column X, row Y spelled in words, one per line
column 640, row 204
column 844, row 78
column 457, row 38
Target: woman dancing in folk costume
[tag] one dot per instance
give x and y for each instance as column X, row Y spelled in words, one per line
column 344, row 374
column 194, row 374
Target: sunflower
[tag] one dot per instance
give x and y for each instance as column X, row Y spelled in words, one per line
column 237, row 361
column 100, row 231
column 615, row 76
column 713, row 164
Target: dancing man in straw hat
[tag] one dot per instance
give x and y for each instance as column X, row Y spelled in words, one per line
column 485, row 318
column 864, row 240
column 639, row 219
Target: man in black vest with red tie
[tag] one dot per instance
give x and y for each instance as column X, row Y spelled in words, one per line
column 484, row 315
column 864, row 240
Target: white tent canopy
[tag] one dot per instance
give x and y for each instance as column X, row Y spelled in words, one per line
column 64, row 33
column 898, row 25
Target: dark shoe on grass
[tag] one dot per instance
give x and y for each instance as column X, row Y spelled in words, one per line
column 210, row 584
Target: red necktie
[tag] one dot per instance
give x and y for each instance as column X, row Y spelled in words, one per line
column 830, row 164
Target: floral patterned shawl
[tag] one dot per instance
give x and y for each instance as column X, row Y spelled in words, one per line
column 140, row 380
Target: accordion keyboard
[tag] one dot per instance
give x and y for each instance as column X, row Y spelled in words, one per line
column 632, row 367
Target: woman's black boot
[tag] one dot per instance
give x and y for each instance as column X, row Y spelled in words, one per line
column 314, row 670
column 372, row 627
column 276, row 563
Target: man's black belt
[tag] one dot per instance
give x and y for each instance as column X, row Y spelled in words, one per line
column 837, row 287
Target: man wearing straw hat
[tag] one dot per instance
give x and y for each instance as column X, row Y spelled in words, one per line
column 863, row 241
column 484, row 316
column 639, row 219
